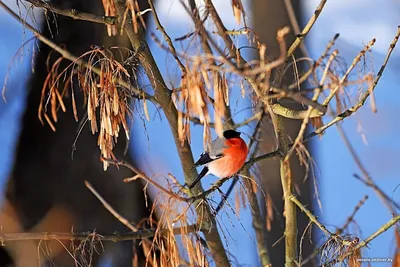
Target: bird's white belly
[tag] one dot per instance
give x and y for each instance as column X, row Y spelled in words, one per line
column 221, row 168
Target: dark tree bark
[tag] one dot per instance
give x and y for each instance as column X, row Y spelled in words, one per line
column 268, row 17
column 45, row 176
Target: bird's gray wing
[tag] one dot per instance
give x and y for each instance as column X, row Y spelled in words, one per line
column 213, row 152
column 217, row 148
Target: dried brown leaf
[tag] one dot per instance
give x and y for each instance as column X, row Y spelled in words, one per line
column 219, row 105
column 243, row 196
column 146, row 111
column 254, row 185
column 237, row 202
column 339, row 106
column 238, row 10
column 270, row 211
column 316, row 122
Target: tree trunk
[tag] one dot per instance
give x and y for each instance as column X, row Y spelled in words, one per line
column 268, row 17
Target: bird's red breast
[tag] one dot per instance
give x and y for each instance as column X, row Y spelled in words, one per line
column 234, row 156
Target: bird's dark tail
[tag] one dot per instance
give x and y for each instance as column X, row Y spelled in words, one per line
column 201, row 175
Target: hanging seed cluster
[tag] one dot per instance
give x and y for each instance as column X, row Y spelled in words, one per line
column 107, row 103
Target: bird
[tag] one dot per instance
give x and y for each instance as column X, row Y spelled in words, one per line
column 223, row 158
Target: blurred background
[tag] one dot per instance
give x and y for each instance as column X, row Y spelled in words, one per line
column 39, row 181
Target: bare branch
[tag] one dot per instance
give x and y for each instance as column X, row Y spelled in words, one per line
column 73, row 13
column 66, row 54
column 386, row 200
column 118, row 216
column 310, row 215
column 306, row 29
column 114, row 237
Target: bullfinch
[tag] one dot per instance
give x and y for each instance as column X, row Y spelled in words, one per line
column 224, row 157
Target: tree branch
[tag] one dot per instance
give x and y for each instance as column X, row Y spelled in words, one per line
column 73, row 13
column 257, row 221
column 310, row 215
column 294, row 114
column 386, row 200
column 114, row 237
column 163, row 97
column 306, row 29
column 287, row 186
column 66, row 54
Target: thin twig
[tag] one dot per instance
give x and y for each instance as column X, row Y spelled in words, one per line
column 269, row 155
column 142, row 175
column 255, row 117
column 118, row 216
column 351, row 217
column 114, row 237
column 386, row 200
column 166, row 37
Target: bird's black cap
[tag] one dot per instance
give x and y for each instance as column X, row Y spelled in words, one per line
column 228, row 134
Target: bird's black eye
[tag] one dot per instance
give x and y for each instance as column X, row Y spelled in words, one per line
column 228, row 134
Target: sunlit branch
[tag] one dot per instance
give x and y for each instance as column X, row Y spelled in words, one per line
column 294, row 114
column 310, row 215
column 298, row 97
column 306, row 29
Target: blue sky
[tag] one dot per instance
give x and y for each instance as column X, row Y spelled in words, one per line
column 374, row 136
